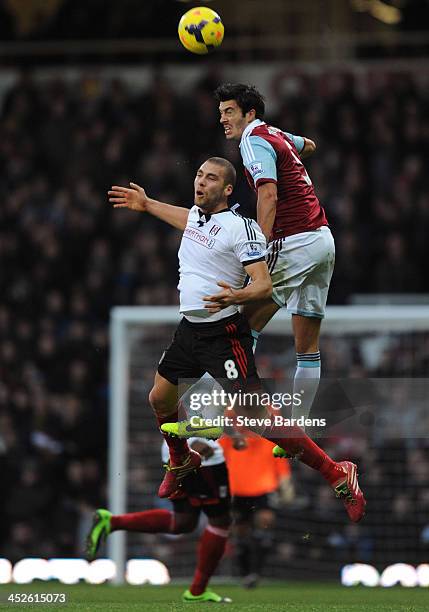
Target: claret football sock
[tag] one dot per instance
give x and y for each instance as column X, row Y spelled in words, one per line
column 210, row 550
column 297, row 444
column 178, row 447
column 149, row 521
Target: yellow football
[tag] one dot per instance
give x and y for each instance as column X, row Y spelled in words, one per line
column 201, row 30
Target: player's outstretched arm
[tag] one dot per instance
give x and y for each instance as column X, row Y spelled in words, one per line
column 259, row 289
column 135, row 198
column 309, row 148
column 304, row 146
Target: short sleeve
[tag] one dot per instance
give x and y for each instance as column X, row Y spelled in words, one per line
column 259, row 158
column 249, row 241
column 298, row 141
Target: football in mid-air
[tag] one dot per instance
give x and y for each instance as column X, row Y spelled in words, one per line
column 201, row 30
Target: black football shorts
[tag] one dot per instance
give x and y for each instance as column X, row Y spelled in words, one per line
column 207, row 489
column 221, row 348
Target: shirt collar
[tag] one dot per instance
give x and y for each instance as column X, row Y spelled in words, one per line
column 250, row 127
column 201, row 213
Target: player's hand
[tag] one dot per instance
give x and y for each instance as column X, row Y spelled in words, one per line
column 204, row 449
column 221, row 300
column 134, row 198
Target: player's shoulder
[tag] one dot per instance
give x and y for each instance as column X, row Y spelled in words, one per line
column 246, row 225
column 266, row 132
column 264, row 138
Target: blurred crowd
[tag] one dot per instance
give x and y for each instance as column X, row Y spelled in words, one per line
column 66, row 257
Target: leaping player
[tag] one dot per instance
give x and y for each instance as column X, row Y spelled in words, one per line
column 213, row 335
column 301, row 249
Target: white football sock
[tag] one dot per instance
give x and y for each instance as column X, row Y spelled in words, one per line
column 255, row 335
column 306, row 382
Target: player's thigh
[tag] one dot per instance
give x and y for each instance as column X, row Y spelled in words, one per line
column 229, row 357
column 221, row 521
column 208, row 484
column 287, row 263
column 219, row 513
column 178, row 362
column 259, row 313
column 309, row 299
column 307, row 292
column 185, row 518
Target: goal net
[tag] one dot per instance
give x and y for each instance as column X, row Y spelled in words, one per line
column 374, row 391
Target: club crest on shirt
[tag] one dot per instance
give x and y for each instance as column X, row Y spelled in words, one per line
column 214, row 230
column 256, row 168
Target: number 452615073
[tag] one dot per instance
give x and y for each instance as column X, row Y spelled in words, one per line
column 35, row 598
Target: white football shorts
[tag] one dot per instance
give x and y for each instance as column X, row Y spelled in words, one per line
column 301, row 268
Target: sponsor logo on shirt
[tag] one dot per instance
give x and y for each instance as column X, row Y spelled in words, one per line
column 256, row 169
column 199, row 238
column 214, row 230
column 254, row 250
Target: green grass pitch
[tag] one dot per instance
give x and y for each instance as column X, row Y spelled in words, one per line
column 287, row 597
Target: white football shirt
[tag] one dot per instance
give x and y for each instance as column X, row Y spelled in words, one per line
column 215, row 247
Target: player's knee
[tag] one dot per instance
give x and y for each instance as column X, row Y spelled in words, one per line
column 156, row 400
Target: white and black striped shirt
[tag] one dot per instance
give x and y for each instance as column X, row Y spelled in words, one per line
column 215, row 247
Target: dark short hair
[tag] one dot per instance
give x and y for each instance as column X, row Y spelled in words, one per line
column 230, row 174
column 246, row 96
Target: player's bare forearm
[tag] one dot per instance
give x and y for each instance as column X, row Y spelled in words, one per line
column 177, row 216
column 309, row 148
column 259, row 289
column 261, row 286
column 266, row 207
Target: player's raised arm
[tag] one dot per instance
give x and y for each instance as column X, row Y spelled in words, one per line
column 135, row 198
column 309, row 148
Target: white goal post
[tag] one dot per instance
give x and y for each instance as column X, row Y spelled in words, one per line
column 339, row 320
